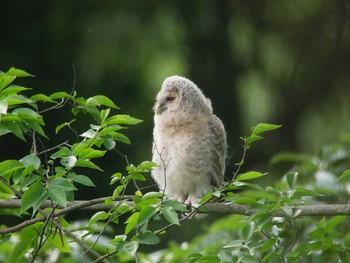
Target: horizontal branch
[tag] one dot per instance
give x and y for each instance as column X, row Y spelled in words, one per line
column 221, row 208
column 304, row 210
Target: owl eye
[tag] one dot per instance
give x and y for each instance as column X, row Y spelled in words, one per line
column 170, row 98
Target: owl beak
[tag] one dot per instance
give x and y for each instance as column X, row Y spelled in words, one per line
column 159, row 109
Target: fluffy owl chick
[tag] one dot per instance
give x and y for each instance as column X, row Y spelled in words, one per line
column 189, row 142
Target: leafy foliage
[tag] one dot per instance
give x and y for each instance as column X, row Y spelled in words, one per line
column 274, row 232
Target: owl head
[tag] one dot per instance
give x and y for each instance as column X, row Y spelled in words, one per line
column 179, row 94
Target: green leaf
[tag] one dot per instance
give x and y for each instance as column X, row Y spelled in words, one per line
column 247, row 231
column 121, row 137
column 248, row 259
column 42, row 98
column 28, row 236
column 129, row 247
column 61, row 182
column 60, row 127
column 5, row 81
column 178, row 206
column 103, row 100
column 334, row 222
column 77, row 148
column 23, row 112
column 108, row 142
column 18, row 73
column 3, row 107
column 28, row 180
column 170, row 215
column 264, row 127
column 13, row 89
column 60, row 95
column 116, row 177
column 89, row 134
column 146, row 214
column 63, row 152
column 34, row 196
column 17, row 99
column 292, row 179
column 153, row 195
column 209, row 259
column 122, row 119
column 206, row 198
column 249, row 176
column 268, row 244
column 147, row 165
column 69, row 161
column 345, row 174
column 3, row 129
column 9, row 166
column 118, row 191
column 137, row 176
column 245, row 200
column 104, row 114
column 15, row 128
column 30, row 168
column 234, row 244
column 101, row 215
column 60, row 242
column 117, row 240
column 87, row 164
column 148, row 238
column 194, row 257
column 91, row 153
column 36, row 127
column 131, row 222
column 58, row 195
column 299, row 192
column 253, row 138
column 82, row 179
column 31, row 159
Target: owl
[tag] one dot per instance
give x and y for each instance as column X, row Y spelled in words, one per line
column 189, row 142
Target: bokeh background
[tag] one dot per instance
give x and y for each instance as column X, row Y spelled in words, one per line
column 279, row 61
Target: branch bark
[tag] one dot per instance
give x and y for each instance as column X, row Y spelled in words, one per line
column 304, row 210
column 222, row 208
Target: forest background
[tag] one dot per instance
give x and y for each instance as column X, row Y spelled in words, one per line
column 282, row 62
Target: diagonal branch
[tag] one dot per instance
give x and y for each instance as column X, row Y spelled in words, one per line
column 94, row 204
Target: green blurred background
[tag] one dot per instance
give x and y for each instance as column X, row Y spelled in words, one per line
column 279, row 61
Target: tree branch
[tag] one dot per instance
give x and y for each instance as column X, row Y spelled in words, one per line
column 94, row 204
column 304, row 210
column 221, row 208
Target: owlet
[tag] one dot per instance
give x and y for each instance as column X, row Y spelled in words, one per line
column 189, row 142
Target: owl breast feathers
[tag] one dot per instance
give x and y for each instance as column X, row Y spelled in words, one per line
column 189, row 142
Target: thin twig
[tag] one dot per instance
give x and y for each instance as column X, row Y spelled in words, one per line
column 105, row 256
column 165, row 166
column 54, row 148
column 63, row 102
column 110, row 219
column 125, row 157
column 245, row 148
column 41, row 235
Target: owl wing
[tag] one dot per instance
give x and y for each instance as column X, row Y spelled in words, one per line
column 218, row 150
